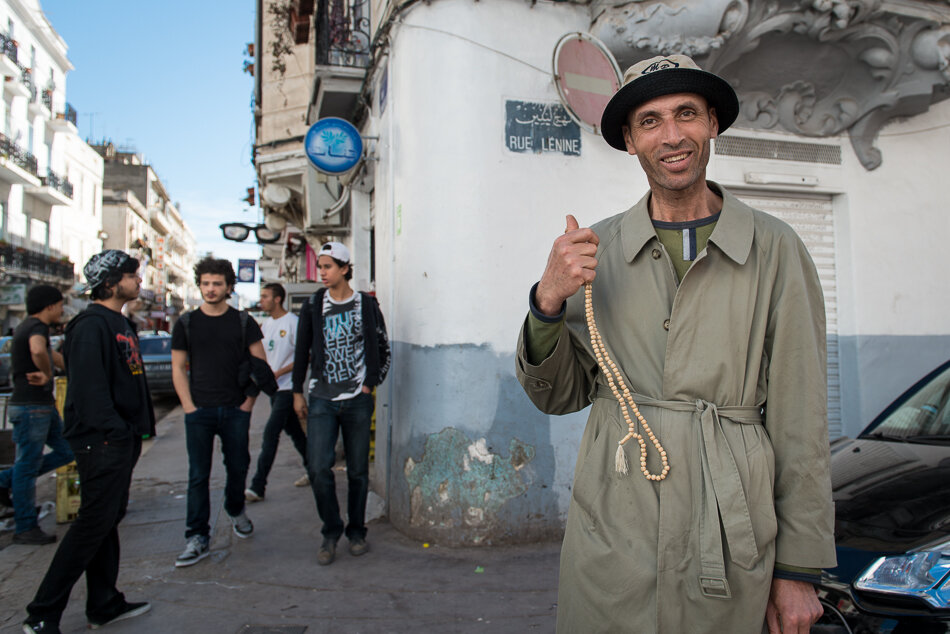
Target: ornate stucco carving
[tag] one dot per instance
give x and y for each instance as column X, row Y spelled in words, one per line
column 813, row 67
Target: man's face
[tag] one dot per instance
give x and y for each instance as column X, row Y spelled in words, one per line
column 268, row 303
column 670, row 135
column 214, row 289
column 128, row 287
column 331, row 273
column 56, row 312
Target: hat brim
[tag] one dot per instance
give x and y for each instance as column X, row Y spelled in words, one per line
column 716, row 90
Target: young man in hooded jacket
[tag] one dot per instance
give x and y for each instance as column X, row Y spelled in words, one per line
column 108, row 409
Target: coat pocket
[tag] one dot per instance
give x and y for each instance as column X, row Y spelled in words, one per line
column 759, row 483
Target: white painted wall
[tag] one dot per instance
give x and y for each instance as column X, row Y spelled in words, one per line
column 74, row 229
column 477, row 220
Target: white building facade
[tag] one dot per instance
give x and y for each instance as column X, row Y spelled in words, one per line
column 843, row 133
column 50, row 181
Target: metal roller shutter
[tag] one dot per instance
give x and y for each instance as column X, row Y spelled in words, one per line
column 811, row 217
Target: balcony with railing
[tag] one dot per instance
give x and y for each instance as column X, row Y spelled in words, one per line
column 342, row 48
column 53, row 189
column 35, row 266
column 8, row 56
column 65, row 121
column 342, row 30
column 38, row 105
column 20, row 84
column 16, row 164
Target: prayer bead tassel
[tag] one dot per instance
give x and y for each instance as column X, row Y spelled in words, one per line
column 613, row 376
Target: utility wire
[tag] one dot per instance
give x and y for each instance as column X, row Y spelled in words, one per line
column 478, row 44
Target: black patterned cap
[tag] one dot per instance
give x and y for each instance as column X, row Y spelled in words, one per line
column 100, row 265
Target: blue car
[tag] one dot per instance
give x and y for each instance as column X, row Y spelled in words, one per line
column 6, row 379
column 156, row 349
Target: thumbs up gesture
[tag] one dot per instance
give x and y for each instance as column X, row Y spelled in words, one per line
column 571, row 264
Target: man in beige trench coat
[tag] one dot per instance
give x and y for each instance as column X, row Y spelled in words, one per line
column 714, row 316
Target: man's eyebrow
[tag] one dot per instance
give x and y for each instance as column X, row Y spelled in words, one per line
column 686, row 105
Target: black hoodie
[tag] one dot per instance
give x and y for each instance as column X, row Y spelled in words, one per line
column 106, row 390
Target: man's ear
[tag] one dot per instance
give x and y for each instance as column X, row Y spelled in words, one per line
column 713, row 124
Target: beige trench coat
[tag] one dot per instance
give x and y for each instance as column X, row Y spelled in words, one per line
column 746, row 330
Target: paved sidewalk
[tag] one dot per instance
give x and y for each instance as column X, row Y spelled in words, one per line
column 271, row 583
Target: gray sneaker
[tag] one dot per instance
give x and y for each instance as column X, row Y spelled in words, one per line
column 196, row 549
column 243, row 527
column 327, row 552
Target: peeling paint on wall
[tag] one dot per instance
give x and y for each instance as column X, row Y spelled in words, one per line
column 461, row 483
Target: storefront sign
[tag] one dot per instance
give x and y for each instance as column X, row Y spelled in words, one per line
column 541, row 128
column 246, row 270
column 333, row 145
column 11, row 294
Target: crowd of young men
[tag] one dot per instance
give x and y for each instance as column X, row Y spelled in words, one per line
column 221, row 361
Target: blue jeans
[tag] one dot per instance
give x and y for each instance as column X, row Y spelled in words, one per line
column 325, row 421
column 201, row 426
column 282, row 418
column 33, row 427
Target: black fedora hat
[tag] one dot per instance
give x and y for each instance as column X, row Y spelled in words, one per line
column 665, row 75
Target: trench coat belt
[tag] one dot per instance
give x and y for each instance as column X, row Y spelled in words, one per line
column 727, row 510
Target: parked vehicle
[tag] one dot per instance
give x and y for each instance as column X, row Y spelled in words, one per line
column 892, row 518
column 6, row 377
column 156, row 349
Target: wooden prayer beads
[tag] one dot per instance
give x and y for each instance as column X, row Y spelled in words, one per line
column 623, row 396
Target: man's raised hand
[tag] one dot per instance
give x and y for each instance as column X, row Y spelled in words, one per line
column 571, row 264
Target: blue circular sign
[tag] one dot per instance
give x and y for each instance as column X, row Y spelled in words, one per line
column 333, row 145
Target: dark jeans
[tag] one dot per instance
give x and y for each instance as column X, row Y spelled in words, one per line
column 282, row 418
column 201, row 426
column 34, row 426
column 91, row 544
column 325, row 420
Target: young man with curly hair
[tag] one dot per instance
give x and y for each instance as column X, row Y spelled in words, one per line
column 215, row 339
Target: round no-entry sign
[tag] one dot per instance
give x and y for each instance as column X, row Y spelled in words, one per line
column 587, row 76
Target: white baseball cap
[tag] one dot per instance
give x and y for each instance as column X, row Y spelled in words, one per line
column 335, row 250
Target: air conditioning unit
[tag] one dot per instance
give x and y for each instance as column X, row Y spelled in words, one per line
column 328, row 204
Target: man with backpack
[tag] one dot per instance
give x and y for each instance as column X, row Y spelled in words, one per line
column 218, row 342
column 341, row 336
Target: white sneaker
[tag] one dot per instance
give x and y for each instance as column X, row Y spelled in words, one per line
column 303, row 481
column 196, row 549
column 243, row 527
column 252, row 496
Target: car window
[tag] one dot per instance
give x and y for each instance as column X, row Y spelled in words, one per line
column 925, row 414
column 156, row 345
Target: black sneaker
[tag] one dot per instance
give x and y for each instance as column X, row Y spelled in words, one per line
column 327, row 552
column 41, row 627
column 125, row 611
column 34, row 537
column 358, row 546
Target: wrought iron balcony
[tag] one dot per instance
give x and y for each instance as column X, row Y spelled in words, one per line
column 9, row 149
column 70, row 114
column 57, row 182
column 342, row 28
column 9, row 47
column 48, row 99
column 34, row 265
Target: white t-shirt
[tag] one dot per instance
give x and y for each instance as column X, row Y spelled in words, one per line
column 280, row 335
